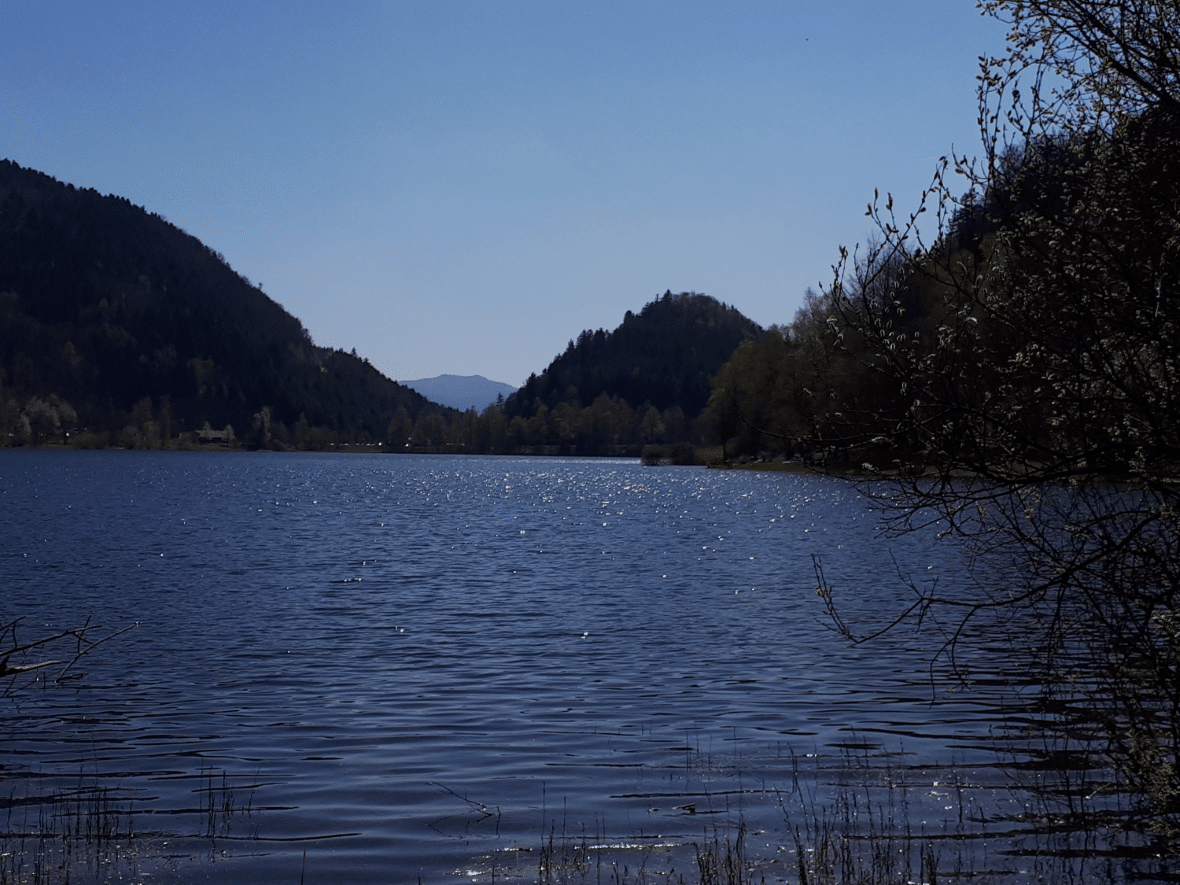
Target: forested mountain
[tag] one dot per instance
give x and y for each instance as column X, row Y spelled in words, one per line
column 645, row 382
column 118, row 322
column 118, row 328
column 663, row 356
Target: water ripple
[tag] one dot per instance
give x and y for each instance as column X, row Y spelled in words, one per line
column 404, row 663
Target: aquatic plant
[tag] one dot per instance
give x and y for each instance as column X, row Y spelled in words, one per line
column 82, row 834
column 89, row 832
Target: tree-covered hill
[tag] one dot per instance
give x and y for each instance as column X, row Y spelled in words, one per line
column 646, row 381
column 113, row 319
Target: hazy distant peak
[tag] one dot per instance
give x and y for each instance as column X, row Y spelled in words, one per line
column 461, row 392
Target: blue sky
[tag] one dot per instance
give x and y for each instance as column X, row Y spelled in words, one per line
column 453, row 186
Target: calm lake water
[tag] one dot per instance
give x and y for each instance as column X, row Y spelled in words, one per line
column 393, row 668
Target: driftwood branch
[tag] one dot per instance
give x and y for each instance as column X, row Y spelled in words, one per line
column 83, row 639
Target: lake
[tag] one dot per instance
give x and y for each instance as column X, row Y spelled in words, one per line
column 375, row 668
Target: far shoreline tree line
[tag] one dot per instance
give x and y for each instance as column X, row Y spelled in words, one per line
column 608, row 427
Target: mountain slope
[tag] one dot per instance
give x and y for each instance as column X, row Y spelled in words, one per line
column 103, row 304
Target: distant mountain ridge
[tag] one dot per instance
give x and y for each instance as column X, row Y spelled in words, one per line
column 461, row 392
column 130, row 321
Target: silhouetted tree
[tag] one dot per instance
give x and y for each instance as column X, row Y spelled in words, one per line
column 1034, row 410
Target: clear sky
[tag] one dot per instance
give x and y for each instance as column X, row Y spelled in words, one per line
column 462, row 186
